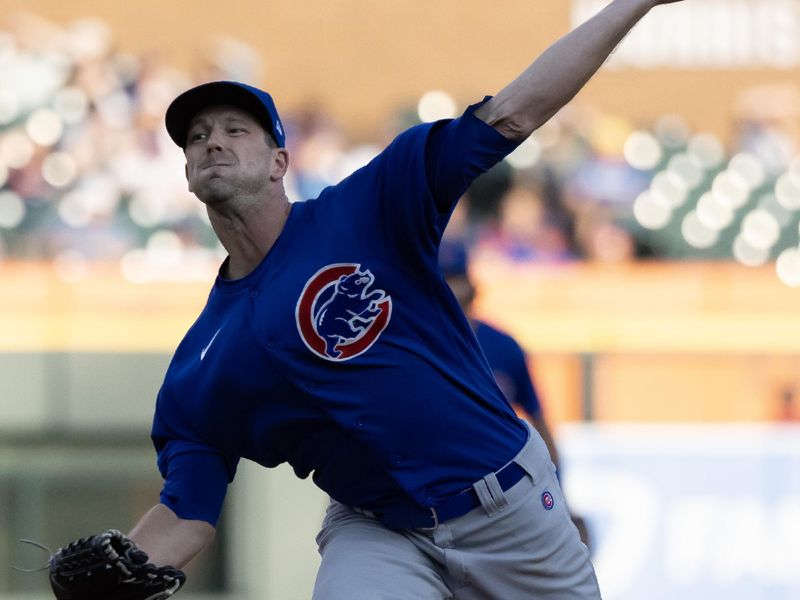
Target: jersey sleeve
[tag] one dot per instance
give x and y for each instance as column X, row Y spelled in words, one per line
column 403, row 197
column 460, row 150
column 196, row 478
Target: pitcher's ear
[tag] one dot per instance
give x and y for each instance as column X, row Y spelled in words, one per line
column 281, row 163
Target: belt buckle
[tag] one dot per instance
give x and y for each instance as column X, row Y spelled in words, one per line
column 435, row 516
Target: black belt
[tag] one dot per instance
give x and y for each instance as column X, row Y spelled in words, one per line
column 419, row 517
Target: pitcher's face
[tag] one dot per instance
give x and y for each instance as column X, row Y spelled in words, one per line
column 227, row 154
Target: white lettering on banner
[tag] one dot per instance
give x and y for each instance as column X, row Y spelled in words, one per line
column 694, row 511
column 734, row 539
column 708, row 34
column 726, row 541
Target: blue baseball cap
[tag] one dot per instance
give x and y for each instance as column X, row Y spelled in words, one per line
column 255, row 101
column 453, row 258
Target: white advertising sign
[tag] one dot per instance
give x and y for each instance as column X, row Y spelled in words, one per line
column 689, row 512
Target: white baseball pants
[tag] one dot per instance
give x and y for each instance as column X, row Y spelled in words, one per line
column 512, row 547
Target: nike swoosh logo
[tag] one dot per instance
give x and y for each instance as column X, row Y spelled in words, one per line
column 203, row 352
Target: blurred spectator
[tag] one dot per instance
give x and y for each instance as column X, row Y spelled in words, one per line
column 603, row 237
column 528, row 230
column 767, row 122
column 316, row 145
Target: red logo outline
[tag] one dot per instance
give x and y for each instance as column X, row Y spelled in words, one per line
column 306, row 324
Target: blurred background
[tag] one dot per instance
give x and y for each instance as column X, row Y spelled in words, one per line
column 642, row 247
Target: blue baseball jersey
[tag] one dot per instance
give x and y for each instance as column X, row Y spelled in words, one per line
column 509, row 365
column 344, row 353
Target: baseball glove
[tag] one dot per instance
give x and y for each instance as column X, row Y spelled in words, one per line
column 109, row 566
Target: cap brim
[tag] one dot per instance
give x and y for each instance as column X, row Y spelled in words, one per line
column 184, row 108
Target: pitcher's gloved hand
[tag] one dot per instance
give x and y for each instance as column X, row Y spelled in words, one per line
column 109, row 566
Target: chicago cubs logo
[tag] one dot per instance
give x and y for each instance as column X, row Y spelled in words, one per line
column 547, row 501
column 338, row 315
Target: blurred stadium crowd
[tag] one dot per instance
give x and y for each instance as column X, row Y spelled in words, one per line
column 87, row 172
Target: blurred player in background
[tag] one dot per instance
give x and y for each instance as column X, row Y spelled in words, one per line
column 330, row 341
column 505, row 356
